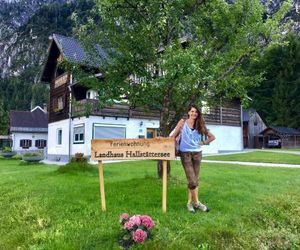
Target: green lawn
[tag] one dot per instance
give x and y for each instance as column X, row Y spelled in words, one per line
column 285, row 149
column 251, row 208
column 258, row 156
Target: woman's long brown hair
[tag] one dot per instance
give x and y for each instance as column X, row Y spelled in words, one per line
column 199, row 123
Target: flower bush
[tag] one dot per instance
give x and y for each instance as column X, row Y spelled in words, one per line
column 135, row 229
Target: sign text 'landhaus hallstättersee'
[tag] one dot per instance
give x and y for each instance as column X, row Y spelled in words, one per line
column 125, row 149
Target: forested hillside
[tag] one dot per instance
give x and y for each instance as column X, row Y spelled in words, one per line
column 277, row 99
column 23, row 44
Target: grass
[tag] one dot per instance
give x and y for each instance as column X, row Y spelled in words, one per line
column 258, row 156
column 42, row 207
column 285, row 149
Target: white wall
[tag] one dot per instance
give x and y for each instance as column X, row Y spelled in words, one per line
column 53, row 147
column 17, row 136
column 228, row 138
column 134, row 128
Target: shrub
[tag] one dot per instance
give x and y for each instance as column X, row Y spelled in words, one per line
column 7, row 150
column 17, row 157
column 79, row 157
column 32, row 154
column 75, row 167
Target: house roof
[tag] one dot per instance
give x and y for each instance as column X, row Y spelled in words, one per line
column 283, row 130
column 35, row 120
column 72, row 51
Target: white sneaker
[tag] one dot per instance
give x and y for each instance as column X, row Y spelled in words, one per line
column 190, row 208
column 202, row 207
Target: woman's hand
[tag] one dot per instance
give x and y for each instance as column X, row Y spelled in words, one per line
column 210, row 138
column 204, row 143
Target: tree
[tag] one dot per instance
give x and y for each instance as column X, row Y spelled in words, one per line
column 40, row 94
column 3, row 119
column 182, row 52
column 277, row 98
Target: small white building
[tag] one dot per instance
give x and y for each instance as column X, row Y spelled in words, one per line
column 75, row 118
column 29, row 130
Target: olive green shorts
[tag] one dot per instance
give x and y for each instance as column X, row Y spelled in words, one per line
column 191, row 164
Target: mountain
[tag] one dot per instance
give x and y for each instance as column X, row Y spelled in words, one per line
column 25, row 27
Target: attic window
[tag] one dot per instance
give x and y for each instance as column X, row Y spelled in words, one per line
column 91, row 94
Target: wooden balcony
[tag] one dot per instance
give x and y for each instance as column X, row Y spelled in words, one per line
column 89, row 107
column 218, row 115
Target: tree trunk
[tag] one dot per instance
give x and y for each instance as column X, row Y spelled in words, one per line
column 160, row 168
column 164, row 129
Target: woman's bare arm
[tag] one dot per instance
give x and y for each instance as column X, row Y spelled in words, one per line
column 177, row 128
column 210, row 138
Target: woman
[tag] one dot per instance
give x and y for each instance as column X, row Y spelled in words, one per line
column 191, row 131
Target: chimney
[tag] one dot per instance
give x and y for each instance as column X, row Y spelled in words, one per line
column 45, row 107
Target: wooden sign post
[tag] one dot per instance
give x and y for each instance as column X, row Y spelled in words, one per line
column 133, row 149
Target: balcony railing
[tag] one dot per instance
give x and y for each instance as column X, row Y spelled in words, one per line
column 89, row 107
column 218, row 115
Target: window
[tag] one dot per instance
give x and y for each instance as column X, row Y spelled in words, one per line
column 109, row 131
column 25, row 143
column 59, row 137
column 41, row 143
column 78, row 134
column 151, row 132
column 60, row 103
column 91, row 94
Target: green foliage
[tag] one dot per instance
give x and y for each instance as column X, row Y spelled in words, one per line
column 277, row 98
column 78, row 163
column 6, row 150
column 79, row 158
column 76, row 166
column 3, row 118
column 221, row 40
column 17, row 157
column 18, row 94
column 32, row 154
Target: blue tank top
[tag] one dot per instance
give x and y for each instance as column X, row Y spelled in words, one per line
column 190, row 139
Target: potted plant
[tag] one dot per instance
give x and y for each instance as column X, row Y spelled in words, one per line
column 7, row 152
column 32, row 157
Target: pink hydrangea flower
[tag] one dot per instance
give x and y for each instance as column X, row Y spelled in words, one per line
column 129, row 225
column 139, row 236
column 147, row 221
column 135, row 220
column 124, row 216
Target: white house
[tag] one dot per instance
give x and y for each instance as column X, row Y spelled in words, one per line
column 29, row 130
column 75, row 118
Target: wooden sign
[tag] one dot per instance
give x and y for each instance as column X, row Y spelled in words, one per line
column 137, row 149
column 129, row 149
